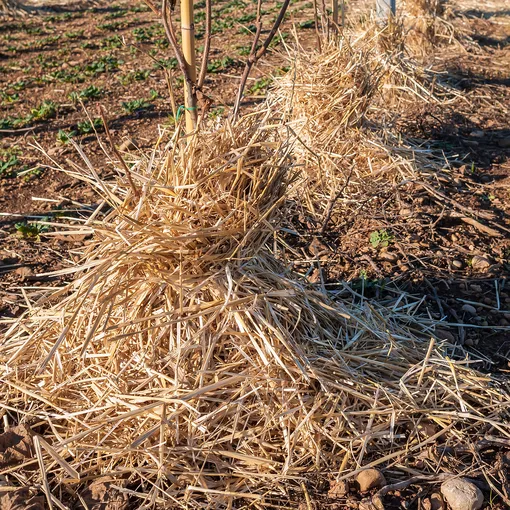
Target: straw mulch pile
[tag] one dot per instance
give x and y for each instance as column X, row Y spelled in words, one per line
column 187, row 361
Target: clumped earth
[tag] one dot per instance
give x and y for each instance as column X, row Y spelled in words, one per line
column 58, row 66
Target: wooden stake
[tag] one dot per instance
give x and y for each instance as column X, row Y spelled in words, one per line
column 188, row 50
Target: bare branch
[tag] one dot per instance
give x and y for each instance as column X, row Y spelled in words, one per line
column 207, row 43
column 152, row 7
column 256, row 54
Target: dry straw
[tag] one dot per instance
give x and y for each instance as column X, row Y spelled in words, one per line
column 190, row 364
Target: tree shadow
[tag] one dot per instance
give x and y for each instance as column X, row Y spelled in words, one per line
column 477, row 13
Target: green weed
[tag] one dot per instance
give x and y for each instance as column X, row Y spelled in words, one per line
column 46, row 110
column 105, row 64
column 7, row 167
column 136, row 105
column 166, row 63
column 260, row 86
column 8, row 98
column 30, row 230
column 244, row 50
column 74, row 35
column 20, row 84
column 116, row 14
column 31, row 174
column 216, row 66
column 90, row 92
column 380, row 238
column 63, row 137
column 139, row 8
column 111, row 42
column 143, row 34
column 113, row 26
column 86, row 127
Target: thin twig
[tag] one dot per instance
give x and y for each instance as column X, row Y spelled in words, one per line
column 207, row 44
column 332, row 203
column 255, row 54
column 134, row 189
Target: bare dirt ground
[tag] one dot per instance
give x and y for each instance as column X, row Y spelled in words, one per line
column 55, row 65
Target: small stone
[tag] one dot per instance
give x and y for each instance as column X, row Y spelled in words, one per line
column 374, row 503
column 469, row 309
column 457, row 264
column 504, row 142
column 53, row 151
column 127, row 145
column 24, row 272
column 469, row 342
column 338, row 489
column 429, row 429
column 436, row 502
column 442, row 334
column 455, row 238
column 480, row 262
column 389, row 256
column 370, row 479
column 477, row 133
column 461, row 494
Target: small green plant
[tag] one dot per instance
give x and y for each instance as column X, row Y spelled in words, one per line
column 88, row 93
column 31, row 173
column 63, row 137
column 118, row 13
column 380, row 238
column 277, row 39
column 34, row 30
column 136, row 105
column 8, row 98
column 74, row 35
column 139, row 8
column 112, row 26
column 133, row 76
column 46, row 110
column 214, row 113
column 307, row 24
column 64, row 17
column 165, row 63
column 66, row 76
column 260, row 86
column 113, row 41
column 221, row 25
column 247, row 18
column 216, row 66
column 244, row 50
column 105, row 64
column 143, row 34
column 7, row 167
column 86, row 127
column 20, row 84
column 30, row 230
